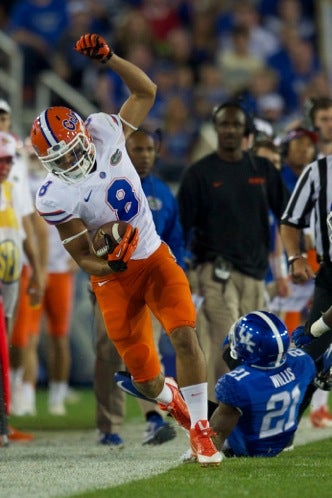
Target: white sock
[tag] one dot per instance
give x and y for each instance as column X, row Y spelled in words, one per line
column 165, row 396
column 196, row 398
column 319, row 399
column 57, row 391
column 16, row 378
column 29, row 395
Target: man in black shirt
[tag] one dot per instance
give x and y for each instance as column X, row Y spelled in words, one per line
column 224, row 202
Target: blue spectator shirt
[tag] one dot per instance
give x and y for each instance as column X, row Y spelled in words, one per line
column 289, row 177
column 47, row 21
column 165, row 213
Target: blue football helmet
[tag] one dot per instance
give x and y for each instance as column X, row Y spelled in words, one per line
column 260, row 339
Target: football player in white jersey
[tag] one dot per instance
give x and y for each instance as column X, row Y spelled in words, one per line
column 92, row 181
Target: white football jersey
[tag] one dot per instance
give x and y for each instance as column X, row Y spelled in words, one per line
column 112, row 192
column 58, row 260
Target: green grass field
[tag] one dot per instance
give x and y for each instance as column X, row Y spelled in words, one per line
column 302, row 473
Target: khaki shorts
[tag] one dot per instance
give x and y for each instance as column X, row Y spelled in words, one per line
column 223, row 304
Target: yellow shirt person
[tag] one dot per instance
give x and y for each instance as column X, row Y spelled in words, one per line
column 11, row 232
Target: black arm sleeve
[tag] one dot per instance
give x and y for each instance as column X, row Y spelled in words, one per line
column 317, row 347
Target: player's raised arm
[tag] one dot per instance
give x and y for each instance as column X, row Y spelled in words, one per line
column 142, row 89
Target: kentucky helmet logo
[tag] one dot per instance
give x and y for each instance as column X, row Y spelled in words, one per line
column 245, row 338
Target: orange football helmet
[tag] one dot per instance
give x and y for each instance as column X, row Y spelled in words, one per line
column 63, row 143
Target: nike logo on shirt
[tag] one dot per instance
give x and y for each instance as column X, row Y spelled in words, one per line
column 87, row 198
column 102, row 283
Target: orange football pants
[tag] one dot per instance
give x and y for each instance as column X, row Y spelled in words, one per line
column 56, row 305
column 125, row 299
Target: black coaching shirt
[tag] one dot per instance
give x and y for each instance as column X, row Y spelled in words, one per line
column 224, row 210
column 313, row 193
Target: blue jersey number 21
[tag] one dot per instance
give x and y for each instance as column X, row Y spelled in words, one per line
column 281, row 411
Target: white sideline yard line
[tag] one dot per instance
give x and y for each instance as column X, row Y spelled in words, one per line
column 307, row 434
column 60, row 464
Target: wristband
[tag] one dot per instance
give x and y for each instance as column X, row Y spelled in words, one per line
column 291, row 259
column 108, row 56
column 319, row 327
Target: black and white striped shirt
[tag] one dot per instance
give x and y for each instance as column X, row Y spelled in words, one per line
column 313, row 194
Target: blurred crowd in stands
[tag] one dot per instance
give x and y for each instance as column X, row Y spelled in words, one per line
column 199, row 52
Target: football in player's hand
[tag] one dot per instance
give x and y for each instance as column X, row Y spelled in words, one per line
column 115, row 230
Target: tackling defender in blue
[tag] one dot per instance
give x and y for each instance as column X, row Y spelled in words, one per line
column 262, row 398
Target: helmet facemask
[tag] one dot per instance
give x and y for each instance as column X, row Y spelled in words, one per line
column 232, row 342
column 70, row 162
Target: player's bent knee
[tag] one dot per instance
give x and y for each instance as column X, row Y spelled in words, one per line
column 142, row 362
column 184, row 340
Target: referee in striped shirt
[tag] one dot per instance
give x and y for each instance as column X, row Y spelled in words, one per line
column 311, row 202
column 312, row 195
